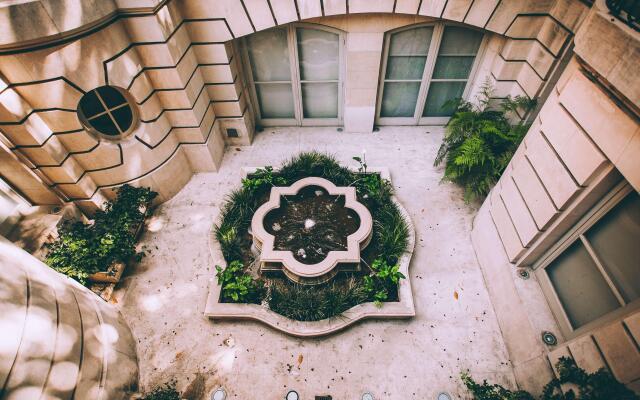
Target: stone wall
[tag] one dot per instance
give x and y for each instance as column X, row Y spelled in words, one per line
column 59, row 340
column 584, row 141
column 179, row 61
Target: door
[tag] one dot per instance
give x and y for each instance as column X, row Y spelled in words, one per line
column 296, row 75
column 424, row 68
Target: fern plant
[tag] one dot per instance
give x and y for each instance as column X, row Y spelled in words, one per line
column 479, row 141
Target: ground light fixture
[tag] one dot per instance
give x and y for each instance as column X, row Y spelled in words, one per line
column 367, row 396
column 443, row 396
column 292, row 395
column 219, row 394
column 549, row 338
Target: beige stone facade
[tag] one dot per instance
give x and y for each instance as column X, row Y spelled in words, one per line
column 180, row 62
column 184, row 65
column 582, row 149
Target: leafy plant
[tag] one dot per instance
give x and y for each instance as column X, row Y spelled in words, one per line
column 238, row 286
column 263, row 177
column 164, row 392
column 373, row 190
column 383, row 278
column 362, row 161
column 479, row 142
column 578, row 385
column 83, row 249
column 313, row 303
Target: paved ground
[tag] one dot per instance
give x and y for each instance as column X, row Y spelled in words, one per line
column 455, row 328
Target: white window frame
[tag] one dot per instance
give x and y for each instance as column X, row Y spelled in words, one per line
column 296, row 83
column 432, row 55
column 577, row 233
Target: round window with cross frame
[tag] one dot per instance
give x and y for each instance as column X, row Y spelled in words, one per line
column 108, row 111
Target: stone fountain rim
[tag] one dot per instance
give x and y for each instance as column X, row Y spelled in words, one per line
column 333, row 258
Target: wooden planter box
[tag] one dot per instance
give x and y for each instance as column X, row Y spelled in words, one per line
column 114, row 272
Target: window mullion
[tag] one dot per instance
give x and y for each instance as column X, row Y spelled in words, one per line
column 603, row 271
column 385, row 61
column 295, row 72
column 429, row 66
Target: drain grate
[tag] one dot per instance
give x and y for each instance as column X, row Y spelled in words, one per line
column 324, row 397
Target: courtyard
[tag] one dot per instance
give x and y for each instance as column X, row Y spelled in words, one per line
column 455, row 329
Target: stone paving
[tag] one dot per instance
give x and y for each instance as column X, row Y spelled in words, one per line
column 455, row 328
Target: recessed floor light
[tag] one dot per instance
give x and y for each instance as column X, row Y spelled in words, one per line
column 219, row 394
column 549, row 338
column 292, row 395
column 367, row 396
column 444, row 396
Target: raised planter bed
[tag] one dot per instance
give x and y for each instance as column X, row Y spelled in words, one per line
column 114, row 272
column 403, row 308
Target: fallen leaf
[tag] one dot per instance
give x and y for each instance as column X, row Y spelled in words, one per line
column 300, row 358
column 455, row 295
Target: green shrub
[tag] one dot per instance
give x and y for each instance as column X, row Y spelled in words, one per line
column 315, row 164
column 263, row 178
column 164, row 392
column 390, row 239
column 313, row 303
column 479, row 143
column 83, row 249
column 237, row 286
column 600, row 385
column 384, row 278
column 391, row 232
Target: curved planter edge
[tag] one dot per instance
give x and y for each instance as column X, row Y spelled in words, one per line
column 402, row 309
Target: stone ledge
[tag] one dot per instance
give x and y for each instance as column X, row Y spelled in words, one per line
column 404, row 308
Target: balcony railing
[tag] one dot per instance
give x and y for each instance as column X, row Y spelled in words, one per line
column 627, row 11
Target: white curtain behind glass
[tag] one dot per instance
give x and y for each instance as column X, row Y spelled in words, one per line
column 270, row 66
column 319, row 59
column 407, row 58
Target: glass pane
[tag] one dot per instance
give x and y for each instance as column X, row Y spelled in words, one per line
column 582, row 290
column 104, row 125
column 320, row 100
column 123, row 117
column 276, row 100
column 111, row 97
column 319, row 55
column 413, row 42
column 90, row 104
column 405, row 67
column 269, row 55
column 439, row 94
column 453, row 67
column 616, row 241
column 399, row 99
column 457, row 40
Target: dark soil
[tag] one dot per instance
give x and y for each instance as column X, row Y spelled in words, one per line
column 311, row 223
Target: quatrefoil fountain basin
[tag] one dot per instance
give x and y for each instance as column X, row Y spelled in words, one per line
column 311, row 230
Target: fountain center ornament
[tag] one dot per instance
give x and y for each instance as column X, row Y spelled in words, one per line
column 311, row 230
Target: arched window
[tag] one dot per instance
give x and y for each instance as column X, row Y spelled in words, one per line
column 108, row 112
column 296, row 74
column 425, row 67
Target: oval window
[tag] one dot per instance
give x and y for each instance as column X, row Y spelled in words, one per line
column 107, row 111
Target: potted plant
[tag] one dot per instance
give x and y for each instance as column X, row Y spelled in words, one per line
column 99, row 251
